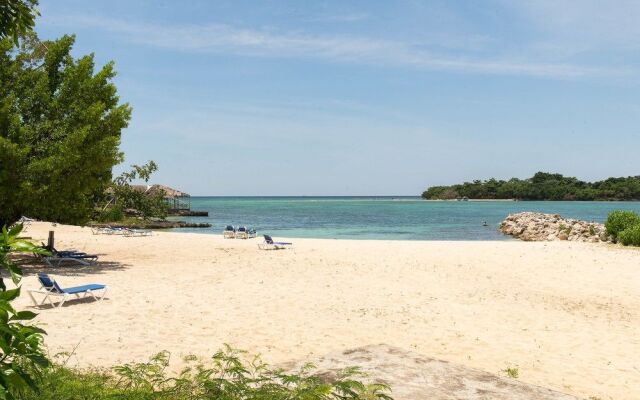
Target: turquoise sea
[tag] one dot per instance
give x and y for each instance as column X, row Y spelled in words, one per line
column 402, row 218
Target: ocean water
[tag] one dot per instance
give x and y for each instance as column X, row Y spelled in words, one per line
column 401, row 218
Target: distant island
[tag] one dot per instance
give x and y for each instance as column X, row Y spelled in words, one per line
column 541, row 186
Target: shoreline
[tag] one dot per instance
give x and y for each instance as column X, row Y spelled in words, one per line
column 459, row 301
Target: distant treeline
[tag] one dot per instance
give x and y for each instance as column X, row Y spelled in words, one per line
column 542, row 186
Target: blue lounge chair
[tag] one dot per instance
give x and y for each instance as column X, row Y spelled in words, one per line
column 269, row 244
column 229, row 232
column 242, row 233
column 58, row 257
column 50, row 288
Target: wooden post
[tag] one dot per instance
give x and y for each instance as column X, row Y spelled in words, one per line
column 50, row 241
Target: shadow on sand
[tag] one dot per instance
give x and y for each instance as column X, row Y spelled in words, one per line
column 31, row 266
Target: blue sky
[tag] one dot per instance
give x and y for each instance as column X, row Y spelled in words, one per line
column 366, row 97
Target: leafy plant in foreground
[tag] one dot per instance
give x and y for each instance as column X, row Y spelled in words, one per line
column 21, row 355
column 227, row 377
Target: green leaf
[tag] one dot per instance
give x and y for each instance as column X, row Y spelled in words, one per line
column 10, row 294
column 23, row 316
column 16, row 273
column 15, row 230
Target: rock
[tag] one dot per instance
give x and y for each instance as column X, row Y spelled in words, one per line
column 532, row 226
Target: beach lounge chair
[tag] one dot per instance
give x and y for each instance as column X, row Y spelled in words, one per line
column 269, row 244
column 242, row 233
column 58, row 257
column 50, row 289
column 251, row 233
column 136, row 232
column 229, row 232
column 24, row 221
column 105, row 230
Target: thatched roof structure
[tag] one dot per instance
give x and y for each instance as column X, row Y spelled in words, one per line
column 168, row 193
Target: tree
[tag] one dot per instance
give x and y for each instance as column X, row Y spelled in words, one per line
column 60, row 127
column 543, row 186
column 21, row 354
column 17, row 17
column 127, row 197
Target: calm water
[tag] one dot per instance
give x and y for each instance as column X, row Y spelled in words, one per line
column 403, row 218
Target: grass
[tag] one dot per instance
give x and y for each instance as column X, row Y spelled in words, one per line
column 512, row 372
column 228, row 376
column 565, row 229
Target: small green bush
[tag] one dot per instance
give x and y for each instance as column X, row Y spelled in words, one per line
column 228, row 376
column 630, row 236
column 512, row 372
column 619, row 220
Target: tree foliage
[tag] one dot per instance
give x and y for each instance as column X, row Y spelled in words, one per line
column 60, row 126
column 21, row 354
column 126, row 196
column 541, row 186
column 17, row 17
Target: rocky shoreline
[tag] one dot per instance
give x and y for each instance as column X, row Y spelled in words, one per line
column 539, row 227
column 154, row 225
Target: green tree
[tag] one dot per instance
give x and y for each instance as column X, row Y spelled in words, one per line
column 21, row 354
column 17, row 17
column 60, row 127
column 543, row 186
column 125, row 196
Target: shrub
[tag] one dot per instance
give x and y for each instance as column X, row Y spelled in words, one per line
column 619, row 220
column 630, row 236
column 227, row 377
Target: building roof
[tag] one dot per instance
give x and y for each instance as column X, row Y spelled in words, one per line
column 166, row 190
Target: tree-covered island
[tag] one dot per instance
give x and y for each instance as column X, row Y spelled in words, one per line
column 541, row 186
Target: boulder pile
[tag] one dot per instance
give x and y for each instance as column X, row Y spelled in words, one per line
column 537, row 227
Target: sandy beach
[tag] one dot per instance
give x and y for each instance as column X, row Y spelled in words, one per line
column 567, row 315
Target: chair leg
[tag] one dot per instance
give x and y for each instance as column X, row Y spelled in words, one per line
column 35, row 302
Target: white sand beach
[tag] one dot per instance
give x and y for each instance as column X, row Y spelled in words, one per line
column 567, row 315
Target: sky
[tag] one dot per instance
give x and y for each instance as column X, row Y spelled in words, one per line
column 242, row 98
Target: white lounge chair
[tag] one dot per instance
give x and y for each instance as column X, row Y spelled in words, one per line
column 269, row 244
column 229, row 232
column 50, row 289
column 136, row 232
column 242, row 233
column 58, row 257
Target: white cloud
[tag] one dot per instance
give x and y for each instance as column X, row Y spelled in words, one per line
column 584, row 25
column 218, row 38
